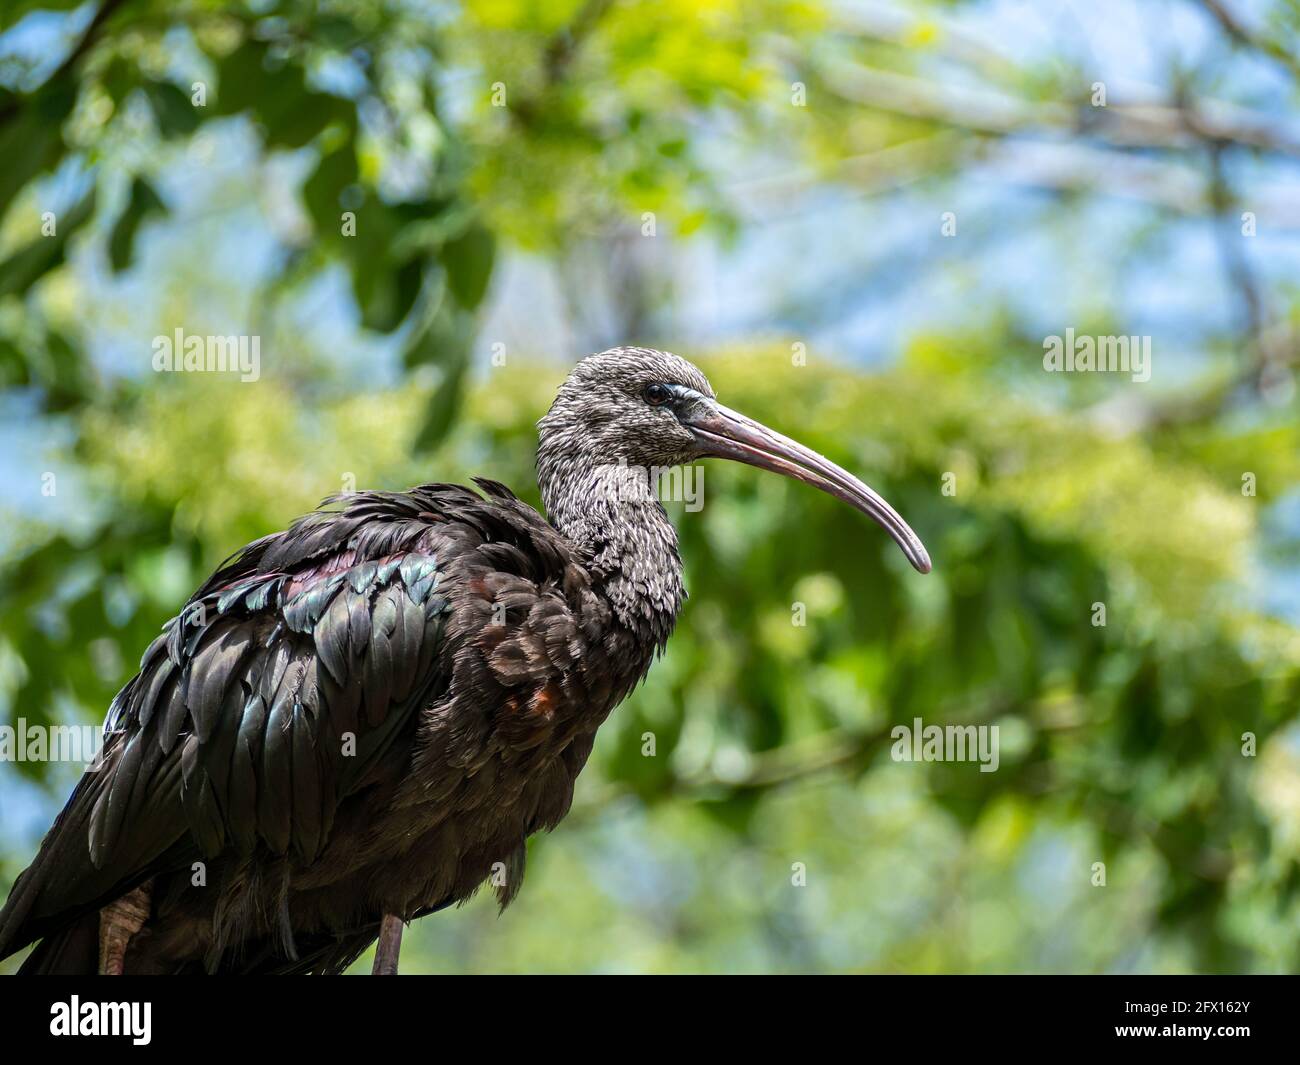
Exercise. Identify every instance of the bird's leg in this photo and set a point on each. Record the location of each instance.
(118, 922)
(390, 942)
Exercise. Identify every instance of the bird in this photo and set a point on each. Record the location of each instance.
(360, 720)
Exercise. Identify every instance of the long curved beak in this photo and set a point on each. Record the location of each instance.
(728, 434)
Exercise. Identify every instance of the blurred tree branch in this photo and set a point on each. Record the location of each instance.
(792, 763)
(557, 57)
(1246, 37)
(1117, 125)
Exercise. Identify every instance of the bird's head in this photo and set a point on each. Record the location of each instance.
(646, 409)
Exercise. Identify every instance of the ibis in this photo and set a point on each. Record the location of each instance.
(360, 720)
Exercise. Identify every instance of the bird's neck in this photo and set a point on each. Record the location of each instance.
(610, 514)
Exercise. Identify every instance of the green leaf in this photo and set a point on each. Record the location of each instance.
(54, 367)
(385, 277)
(118, 79)
(27, 265)
(323, 191)
(31, 140)
(144, 202)
(274, 91)
(176, 116)
(446, 341)
(468, 260)
(443, 406)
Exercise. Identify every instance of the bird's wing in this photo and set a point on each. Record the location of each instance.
(265, 702)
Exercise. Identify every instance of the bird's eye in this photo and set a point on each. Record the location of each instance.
(657, 395)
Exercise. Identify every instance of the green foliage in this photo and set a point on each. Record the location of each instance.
(593, 122)
(396, 239)
(143, 204)
(1121, 743)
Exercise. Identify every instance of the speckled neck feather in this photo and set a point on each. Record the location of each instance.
(609, 512)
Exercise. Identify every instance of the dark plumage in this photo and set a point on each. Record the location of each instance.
(369, 713)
